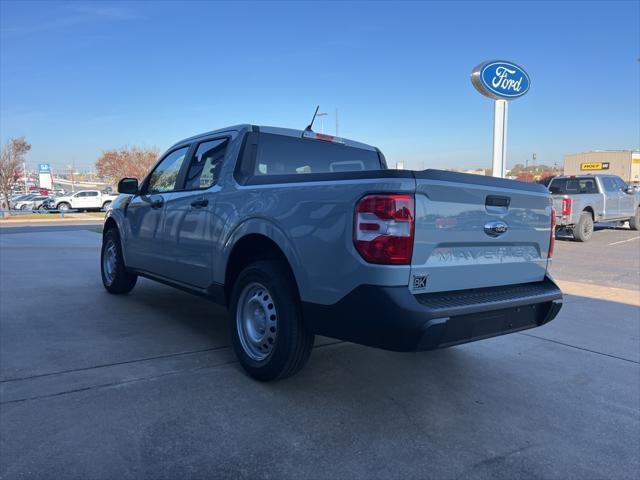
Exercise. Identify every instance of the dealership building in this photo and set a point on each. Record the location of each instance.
(624, 163)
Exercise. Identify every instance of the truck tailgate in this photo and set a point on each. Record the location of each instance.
(473, 231)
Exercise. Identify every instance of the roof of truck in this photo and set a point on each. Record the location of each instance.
(273, 130)
(586, 175)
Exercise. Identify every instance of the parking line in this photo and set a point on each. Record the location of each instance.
(625, 241)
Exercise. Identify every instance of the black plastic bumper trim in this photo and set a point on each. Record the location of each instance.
(394, 319)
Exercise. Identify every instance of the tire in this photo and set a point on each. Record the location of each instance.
(106, 206)
(64, 206)
(584, 229)
(267, 330)
(23, 207)
(634, 222)
(115, 277)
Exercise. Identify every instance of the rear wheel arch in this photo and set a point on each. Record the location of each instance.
(251, 248)
(590, 211)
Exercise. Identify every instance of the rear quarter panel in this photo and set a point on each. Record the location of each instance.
(312, 223)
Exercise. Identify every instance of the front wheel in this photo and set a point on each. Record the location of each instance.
(115, 277)
(267, 330)
(634, 222)
(63, 207)
(584, 229)
(106, 206)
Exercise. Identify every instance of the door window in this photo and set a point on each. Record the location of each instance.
(609, 184)
(165, 176)
(205, 165)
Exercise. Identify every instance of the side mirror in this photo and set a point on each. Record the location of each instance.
(128, 186)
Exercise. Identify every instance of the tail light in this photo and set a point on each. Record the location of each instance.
(566, 206)
(384, 228)
(552, 235)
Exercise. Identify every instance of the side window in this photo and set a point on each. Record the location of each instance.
(80, 194)
(165, 175)
(205, 165)
(588, 185)
(92, 194)
(609, 184)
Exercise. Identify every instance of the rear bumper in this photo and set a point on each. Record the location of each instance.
(564, 221)
(394, 319)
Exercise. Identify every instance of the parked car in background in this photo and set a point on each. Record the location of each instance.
(582, 200)
(85, 200)
(21, 198)
(35, 202)
(300, 233)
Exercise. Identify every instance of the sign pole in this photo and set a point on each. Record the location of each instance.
(500, 138)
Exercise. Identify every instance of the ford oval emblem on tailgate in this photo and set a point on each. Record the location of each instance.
(495, 228)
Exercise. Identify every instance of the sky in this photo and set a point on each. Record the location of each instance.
(78, 78)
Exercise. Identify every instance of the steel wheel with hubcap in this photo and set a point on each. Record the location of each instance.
(109, 261)
(256, 321)
(115, 276)
(268, 334)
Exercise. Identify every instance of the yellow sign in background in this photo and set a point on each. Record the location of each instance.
(594, 166)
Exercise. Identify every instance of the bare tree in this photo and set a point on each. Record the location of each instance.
(11, 158)
(126, 162)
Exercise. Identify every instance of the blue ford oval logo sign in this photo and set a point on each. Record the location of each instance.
(500, 80)
(495, 228)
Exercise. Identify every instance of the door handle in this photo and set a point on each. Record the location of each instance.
(201, 202)
(157, 202)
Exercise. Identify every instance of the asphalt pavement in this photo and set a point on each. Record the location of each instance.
(146, 385)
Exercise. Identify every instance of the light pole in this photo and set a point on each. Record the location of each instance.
(322, 115)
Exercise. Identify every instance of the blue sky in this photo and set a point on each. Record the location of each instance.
(77, 78)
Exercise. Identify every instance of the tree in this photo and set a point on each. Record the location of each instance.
(11, 159)
(126, 162)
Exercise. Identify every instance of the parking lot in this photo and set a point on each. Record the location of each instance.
(146, 385)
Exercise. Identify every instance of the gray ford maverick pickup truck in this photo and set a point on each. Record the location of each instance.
(300, 233)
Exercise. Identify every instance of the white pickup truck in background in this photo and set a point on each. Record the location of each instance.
(85, 200)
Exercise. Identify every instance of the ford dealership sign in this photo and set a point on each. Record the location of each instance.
(500, 80)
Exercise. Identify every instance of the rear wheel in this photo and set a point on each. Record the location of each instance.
(115, 277)
(267, 330)
(584, 229)
(634, 222)
(106, 206)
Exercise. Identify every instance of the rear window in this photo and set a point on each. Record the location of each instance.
(282, 155)
(573, 186)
